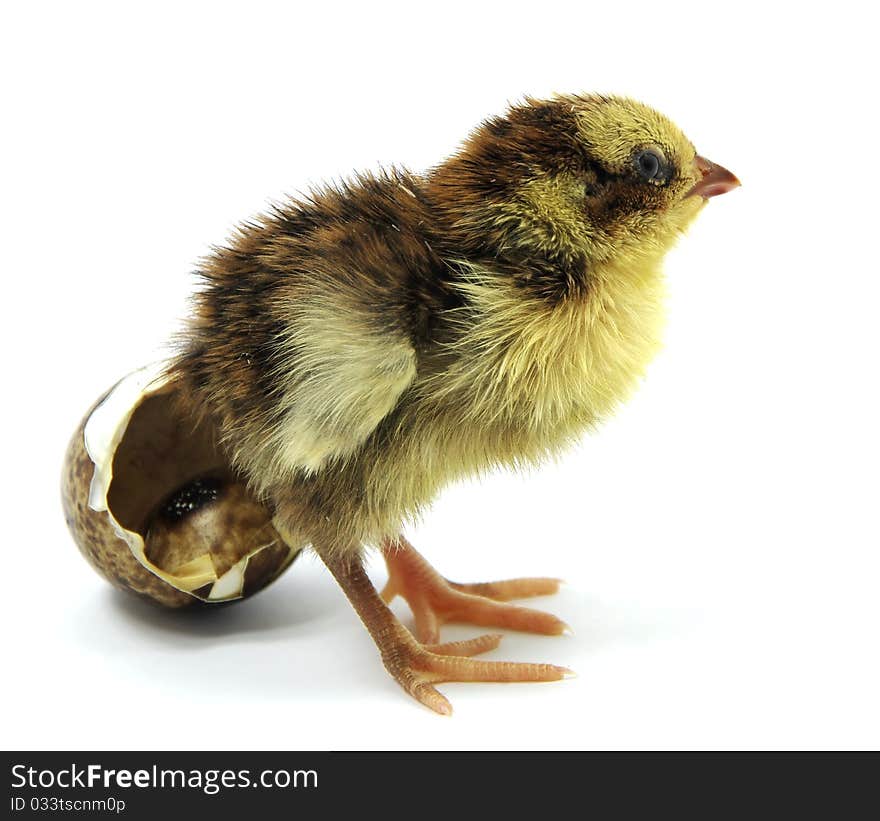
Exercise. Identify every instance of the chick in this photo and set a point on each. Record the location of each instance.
(362, 348)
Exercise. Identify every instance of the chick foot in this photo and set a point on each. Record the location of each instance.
(435, 600)
(417, 667)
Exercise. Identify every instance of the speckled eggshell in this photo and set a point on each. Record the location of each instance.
(127, 467)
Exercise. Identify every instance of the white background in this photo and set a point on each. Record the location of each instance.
(719, 536)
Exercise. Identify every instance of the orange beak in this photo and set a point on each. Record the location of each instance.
(715, 179)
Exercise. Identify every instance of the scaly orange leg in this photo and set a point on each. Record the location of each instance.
(435, 600)
(417, 667)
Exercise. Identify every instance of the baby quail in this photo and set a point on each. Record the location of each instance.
(362, 348)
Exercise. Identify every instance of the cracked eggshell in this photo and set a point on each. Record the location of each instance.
(156, 509)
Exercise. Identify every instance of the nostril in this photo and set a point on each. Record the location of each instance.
(703, 165)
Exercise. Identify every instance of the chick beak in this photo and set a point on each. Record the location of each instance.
(715, 179)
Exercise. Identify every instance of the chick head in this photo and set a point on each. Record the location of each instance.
(574, 183)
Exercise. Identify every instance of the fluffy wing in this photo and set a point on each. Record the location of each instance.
(345, 374)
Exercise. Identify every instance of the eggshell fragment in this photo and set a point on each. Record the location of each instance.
(154, 506)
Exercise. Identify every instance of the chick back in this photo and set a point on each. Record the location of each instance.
(310, 325)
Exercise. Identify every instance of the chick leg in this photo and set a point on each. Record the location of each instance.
(417, 667)
(434, 600)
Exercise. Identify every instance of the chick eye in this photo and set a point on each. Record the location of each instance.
(650, 166)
